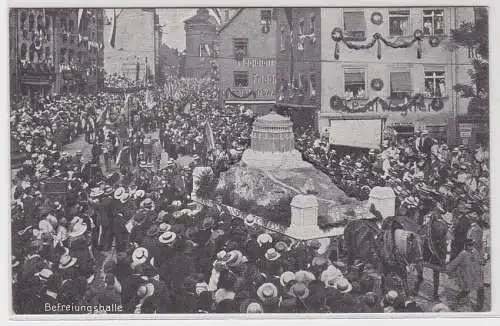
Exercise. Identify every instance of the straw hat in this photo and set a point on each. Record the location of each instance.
(139, 194)
(44, 274)
(66, 261)
(249, 220)
(164, 227)
(254, 308)
(124, 198)
(140, 255)
(78, 230)
(264, 238)
(167, 237)
(96, 192)
(267, 291)
(119, 193)
(391, 297)
(286, 278)
(343, 285)
(281, 246)
(300, 291)
(108, 190)
(272, 255)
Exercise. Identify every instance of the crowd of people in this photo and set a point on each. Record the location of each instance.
(131, 238)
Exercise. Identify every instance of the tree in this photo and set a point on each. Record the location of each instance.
(474, 36)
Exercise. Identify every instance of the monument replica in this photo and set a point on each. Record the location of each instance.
(273, 183)
(273, 144)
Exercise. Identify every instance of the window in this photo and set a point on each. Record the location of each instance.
(240, 78)
(354, 25)
(433, 22)
(23, 19)
(401, 84)
(40, 22)
(312, 24)
(312, 78)
(399, 23)
(63, 24)
(204, 51)
(283, 39)
(240, 46)
(24, 51)
(62, 56)
(301, 26)
(355, 83)
(435, 84)
(304, 83)
(47, 52)
(31, 23)
(265, 17)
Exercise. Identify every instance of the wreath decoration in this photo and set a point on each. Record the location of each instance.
(437, 104)
(377, 18)
(335, 102)
(434, 41)
(377, 84)
(337, 34)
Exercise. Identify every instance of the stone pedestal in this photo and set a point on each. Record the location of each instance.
(384, 200)
(304, 221)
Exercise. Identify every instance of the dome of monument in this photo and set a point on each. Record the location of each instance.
(272, 133)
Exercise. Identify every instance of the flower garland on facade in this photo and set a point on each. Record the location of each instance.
(417, 102)
(338, 36)
(233, 94)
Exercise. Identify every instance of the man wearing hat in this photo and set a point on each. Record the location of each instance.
(467, 269)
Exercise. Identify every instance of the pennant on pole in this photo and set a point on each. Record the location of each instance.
(113, 31)
(187, 108)
(209, 136)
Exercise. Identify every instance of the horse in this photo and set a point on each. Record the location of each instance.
(390, 248)
(434, 237)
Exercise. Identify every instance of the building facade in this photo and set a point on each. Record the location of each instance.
(50, 53)
(246, 59)
(136, 51)
(396, 62)
(298, 71)
(201, 44)
(32, 51)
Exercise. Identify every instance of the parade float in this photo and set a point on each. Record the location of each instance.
(274, 186)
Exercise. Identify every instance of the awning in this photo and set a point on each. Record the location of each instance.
(354, 21)
(354, 77)
(401, 82)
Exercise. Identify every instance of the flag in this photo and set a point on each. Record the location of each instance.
(137, 70)
(207, 48)
(80, 15)
(113, 31)
(209, 136)
(125, 109)
(217, 15)
(313, 92)
(187, 108)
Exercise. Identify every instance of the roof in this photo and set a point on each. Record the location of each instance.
(202, 16)
(230, 20)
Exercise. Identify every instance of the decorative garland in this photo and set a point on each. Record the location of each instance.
(230, 92)
(338, 36)
(417, 101)
(377, 84)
